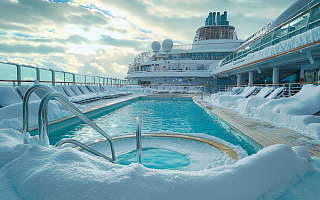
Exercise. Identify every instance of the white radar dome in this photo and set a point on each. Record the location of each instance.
(155, 46)
(167, 45)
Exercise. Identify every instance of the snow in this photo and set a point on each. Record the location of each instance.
(302, 39)
(11, 116)
(294, 113)
(35, 172)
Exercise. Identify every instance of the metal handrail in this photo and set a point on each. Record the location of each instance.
(83, 146)
(43, 118)
(138, 140)
(25, 108)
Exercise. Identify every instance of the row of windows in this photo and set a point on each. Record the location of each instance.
(200, 56)
(301, 24)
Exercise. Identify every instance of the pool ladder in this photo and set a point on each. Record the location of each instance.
(43, 121)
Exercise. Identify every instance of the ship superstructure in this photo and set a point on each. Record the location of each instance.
(187, 64)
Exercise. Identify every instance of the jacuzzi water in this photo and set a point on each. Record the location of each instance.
(157, 116)
(156, 158)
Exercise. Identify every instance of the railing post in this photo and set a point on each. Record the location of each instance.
(19, 74)
(138, 140)
(289, 90)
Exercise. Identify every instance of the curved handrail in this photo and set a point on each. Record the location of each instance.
(85, 147)
(25, 109)
(43, 120)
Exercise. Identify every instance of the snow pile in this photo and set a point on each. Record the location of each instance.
(36, 172)
(11, 116)
(305, 38)
(295, 113)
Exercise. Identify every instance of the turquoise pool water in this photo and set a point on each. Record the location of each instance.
(158, 115)
(156, 158)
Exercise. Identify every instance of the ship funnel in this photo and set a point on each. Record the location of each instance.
(225, 18)
(218, 18)
(210, 18)
(214, 18)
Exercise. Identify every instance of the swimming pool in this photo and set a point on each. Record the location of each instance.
(183, 116)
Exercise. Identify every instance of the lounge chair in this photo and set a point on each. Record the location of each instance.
(265, 91)
(276, 93)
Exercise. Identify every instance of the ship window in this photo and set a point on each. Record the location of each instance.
(281, 31)
(315, 13)
(299, 22)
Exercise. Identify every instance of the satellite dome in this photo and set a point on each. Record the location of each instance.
(155, 46)
(167, 45)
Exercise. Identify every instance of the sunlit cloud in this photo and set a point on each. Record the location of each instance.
(101, 38)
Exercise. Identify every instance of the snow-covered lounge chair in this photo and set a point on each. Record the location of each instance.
(79, 92)
(9, 96)
(85, 91)
(237, 90)
(161, 89)
(96, 90)
(248, 91)
(107, 89)
(181, 90)
(22, 89)
(276, 93)
(72, 96)
(265, 91)
(167, 89)
(193, 89)
(173, 89)
(99, 91)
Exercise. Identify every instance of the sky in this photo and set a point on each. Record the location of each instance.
(102, 37)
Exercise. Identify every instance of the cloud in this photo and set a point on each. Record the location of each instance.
(99, 67)
(101, 37)
(25, 48)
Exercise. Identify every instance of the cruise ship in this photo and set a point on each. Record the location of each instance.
(73, 136)
(187, 64)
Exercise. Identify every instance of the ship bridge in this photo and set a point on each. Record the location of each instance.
(286, 50)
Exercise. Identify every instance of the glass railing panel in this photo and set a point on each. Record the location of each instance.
(8, 72)
(276, 41)
(90, 79)
(68, 77)
(28, 74)
(266, 39)
(96, 80)
(265, 45)
(45, 75)
(256, 43)
(315, 13)
(294, 33)
(299, 22)
(280, 32)
(59, 77)
(80, 78)
(101, 80)
(314, 25)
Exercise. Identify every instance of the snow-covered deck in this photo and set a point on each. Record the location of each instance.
(261, 132)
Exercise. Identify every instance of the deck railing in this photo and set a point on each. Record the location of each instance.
(15, 75)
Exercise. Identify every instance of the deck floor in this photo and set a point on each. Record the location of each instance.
(263, 133)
